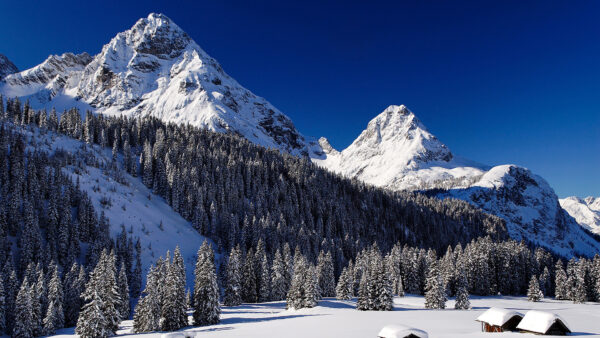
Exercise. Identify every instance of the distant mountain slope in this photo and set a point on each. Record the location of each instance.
(156, 69)
(129, 204)
(6, 66)
(586, 211)
(398, 153)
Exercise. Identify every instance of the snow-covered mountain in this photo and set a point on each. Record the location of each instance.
(156, 69)
(586, 211)
(6, 66)
(397, 152)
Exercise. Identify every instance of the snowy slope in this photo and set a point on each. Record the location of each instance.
(6, 66)
(156, 69)
(334, 318)
(586, 211)
(132, 204)
(397, 152)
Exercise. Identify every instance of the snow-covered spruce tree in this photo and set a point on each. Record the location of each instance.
(383, 288)
(311, 288)
(73, 288)
(278, 275)
(206, 292)
(92, 323)
(264, 282)
(103, 284)
(462, 289)
(363, 303)
(289, 266)
(249, 279)
(23, 326)
(326, 275)
(545, 281)
(343, 290)
(560, 282)
(534, 294)
(123, 287)
(54, 318)
(579, 293)
(233, 287)
(400, 287)
(146, 316)
(174, 306)
(136, 276)
(435, 291)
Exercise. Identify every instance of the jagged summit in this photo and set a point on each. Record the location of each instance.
(6, 66)
(155, 68)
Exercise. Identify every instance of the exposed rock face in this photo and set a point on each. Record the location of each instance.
(6, 67)
(156, 69)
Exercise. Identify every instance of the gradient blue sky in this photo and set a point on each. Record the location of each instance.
(497, 81)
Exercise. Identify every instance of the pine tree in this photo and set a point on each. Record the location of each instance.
(136, 280)
(146, 316)
(384, 296)
(73, 288)
(233, 287)
(173, 312)
(54, 318)
(560, 291)
(91, 322)
(343, 290)
(462, 290)
(264, 286)
(123, 287)
(303, 291)
(23, 326)
(435, 291)
(534, 294)
(400, 287)
(326, 276)
(579, 292)
(249, 279)
(278, 277)
(206, 292)
(363, 303)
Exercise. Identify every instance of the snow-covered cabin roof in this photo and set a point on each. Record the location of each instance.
(540, 322)
(401, 331)
(497, 316)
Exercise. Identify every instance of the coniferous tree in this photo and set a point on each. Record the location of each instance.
(2, 296)
(326, 275)
(462, 290)
(264, 286)
(123, 287)
(579, 292)
(91, 322)
(73, 288)
(400, 287)
(206, 293)
(343, 290)
(435, 291)
(23, 326)
(249, 279)
(146, 316)
(363, 303)
(136, 281)
(173, 312)
(233, 288)
(55, 318)
(534, 294)
(560, 291)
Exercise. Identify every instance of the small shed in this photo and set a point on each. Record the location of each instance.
(499, 320)
(544, 323)
(401, 331)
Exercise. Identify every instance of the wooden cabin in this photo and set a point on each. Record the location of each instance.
(401, 331)
(499, 320)
(545, 323)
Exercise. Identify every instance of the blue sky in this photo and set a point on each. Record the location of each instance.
(498, 82)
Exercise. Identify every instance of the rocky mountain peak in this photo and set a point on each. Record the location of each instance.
(6, 66)
(157, 35)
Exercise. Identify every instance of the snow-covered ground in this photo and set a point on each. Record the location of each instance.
(333, 318)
